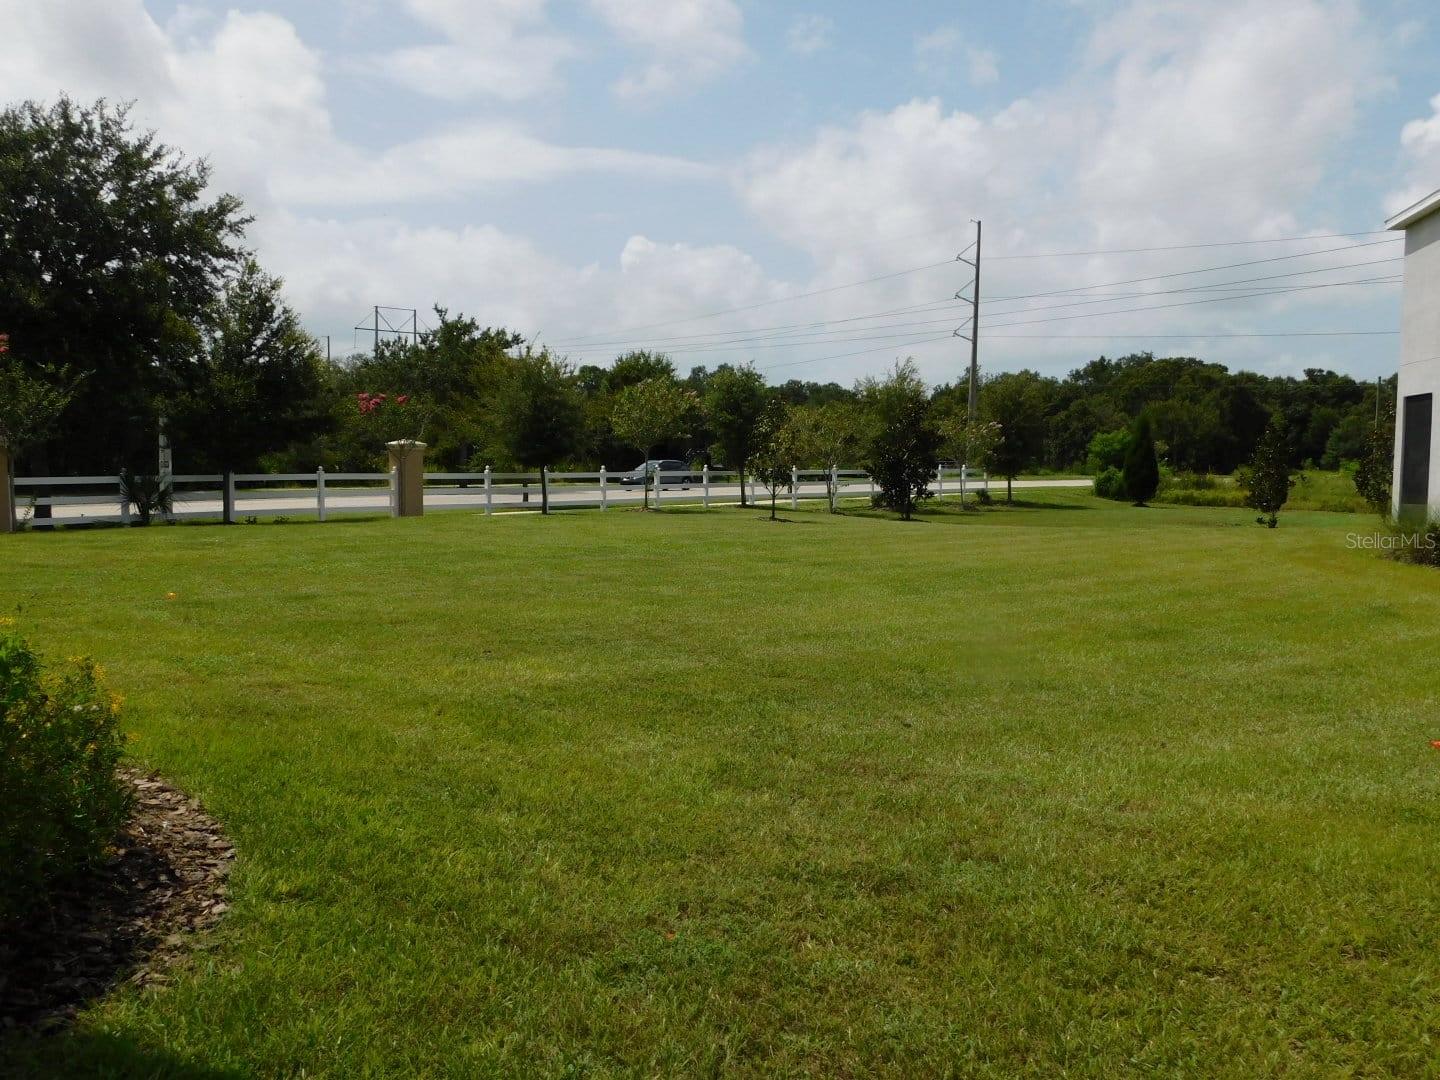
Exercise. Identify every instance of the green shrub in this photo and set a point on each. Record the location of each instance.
(1110, 484)
(59, 745)
(1107, 450)
(1419, 545)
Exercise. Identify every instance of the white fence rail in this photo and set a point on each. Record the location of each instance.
(76, 500)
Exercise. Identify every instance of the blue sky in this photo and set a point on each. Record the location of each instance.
(601, 172)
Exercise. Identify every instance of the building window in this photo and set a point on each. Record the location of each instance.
(1415, 451)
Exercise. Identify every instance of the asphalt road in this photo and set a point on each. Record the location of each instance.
(339, 499)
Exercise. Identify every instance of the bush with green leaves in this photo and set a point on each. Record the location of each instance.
(1142, 467)
(59, 746)
(1110, 484)
(1268, 481)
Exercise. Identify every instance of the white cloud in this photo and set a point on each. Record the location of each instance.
(1186, 124)
(450, 163)
(494, 48)
(945, 49)
(810, 34)
(688, 41)
(1420, 146)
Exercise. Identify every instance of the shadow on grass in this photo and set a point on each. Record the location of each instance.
(96, 1054)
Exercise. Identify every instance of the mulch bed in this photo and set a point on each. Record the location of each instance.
(128, 920)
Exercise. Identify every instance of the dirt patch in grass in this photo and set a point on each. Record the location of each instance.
(128, 920)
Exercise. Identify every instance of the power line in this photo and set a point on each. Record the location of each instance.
(902, 331)
(1191, 247)
(739, 340)
(594, 339)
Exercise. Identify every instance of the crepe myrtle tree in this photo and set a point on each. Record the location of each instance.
(827, 436)
(650, 413)
(773, 453)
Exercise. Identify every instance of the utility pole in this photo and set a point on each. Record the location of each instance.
(377, 331)
(974, 336)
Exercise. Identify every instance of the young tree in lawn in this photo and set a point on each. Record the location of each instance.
(774, 450)
(827, 436)
(1375, 471)
(541, 415)
(652, 412)
(735, 399)
(1142, 467)
(970, 442)
(1015, 401)
(1268, 481)
(255, 382)
(902, 444)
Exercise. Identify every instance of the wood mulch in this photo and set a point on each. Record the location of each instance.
(127, 921)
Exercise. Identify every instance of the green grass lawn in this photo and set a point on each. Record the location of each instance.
(1069, 788)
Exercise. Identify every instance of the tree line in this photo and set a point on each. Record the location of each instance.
(130, 301)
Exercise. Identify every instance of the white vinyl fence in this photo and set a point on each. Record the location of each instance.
(78, 500)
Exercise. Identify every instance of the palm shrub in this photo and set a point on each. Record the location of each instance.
(59, 745)
(1142, 467)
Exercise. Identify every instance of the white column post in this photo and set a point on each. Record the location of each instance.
(320, 493)
(964, 469)
(794, 488)
(657, 485)
(489, 508)
(705, 484)
(394, 491)
(834, 487)
(603, 496)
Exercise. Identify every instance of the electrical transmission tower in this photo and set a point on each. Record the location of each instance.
(383, 323)
(974, 320)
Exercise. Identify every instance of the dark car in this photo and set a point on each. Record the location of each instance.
(636, 477)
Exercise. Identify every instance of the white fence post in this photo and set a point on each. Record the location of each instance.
(320, 493)
(394, 492)
(705, 484)
(794, 488)
(604, 497)
(834, 487)
(489, 508)
(964, 469)
(657, 487)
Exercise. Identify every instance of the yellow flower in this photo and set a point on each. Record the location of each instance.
(6, 620)
(172, 596)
